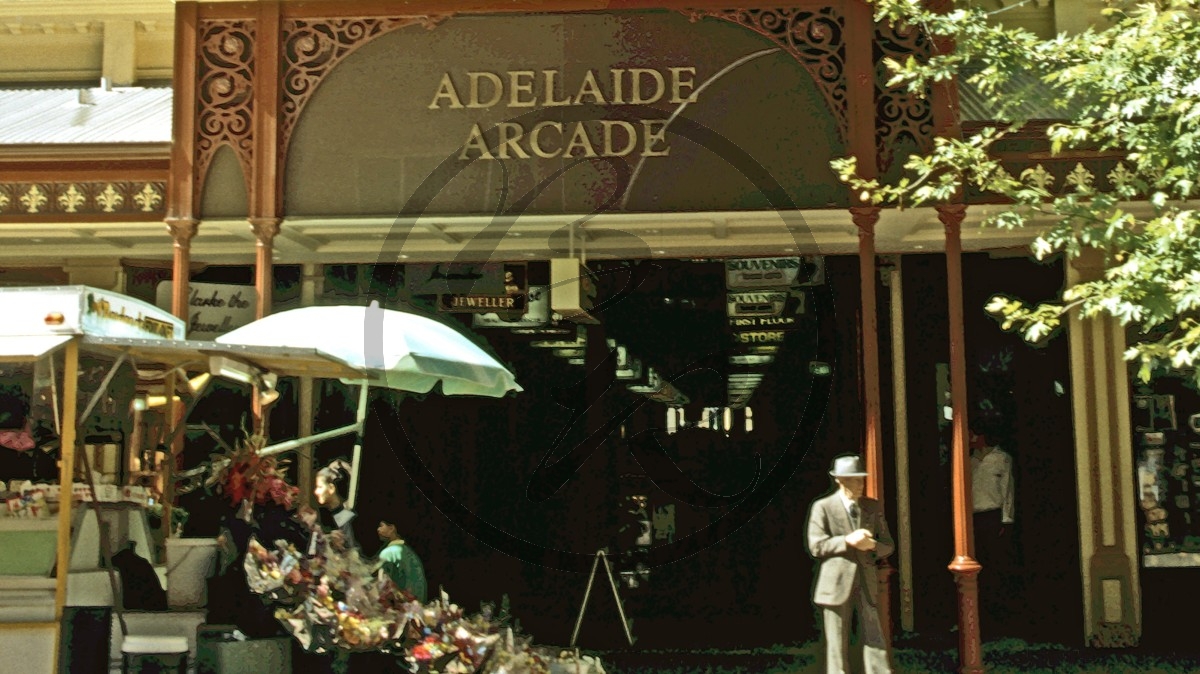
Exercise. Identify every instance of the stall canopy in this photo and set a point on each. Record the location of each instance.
(40, 320)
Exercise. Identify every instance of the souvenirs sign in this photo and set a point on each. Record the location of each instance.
(774, 272)
(752, 310)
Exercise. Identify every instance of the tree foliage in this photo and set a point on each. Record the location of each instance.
(1132, 87)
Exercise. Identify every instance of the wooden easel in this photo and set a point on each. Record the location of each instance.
(587, 594)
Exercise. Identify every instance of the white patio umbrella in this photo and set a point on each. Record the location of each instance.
(395, 349)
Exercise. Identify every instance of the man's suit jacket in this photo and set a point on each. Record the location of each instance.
(842, 564)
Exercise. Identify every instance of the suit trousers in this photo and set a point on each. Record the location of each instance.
(837, 622)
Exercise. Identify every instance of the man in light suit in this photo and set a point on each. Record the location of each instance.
(846, 534)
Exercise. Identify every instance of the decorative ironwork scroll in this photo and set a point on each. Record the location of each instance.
(814, 37)
(313, 47)
(224, 93)
(899, 113)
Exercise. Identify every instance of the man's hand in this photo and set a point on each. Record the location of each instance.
(338, 540)
(860, 539)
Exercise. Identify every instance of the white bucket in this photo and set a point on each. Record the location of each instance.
(190, 562)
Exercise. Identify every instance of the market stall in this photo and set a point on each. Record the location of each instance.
(71, 355)
(42, 338)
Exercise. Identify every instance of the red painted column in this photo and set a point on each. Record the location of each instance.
(860, 100)
(181, 213)
(964, 567)
(865, 218)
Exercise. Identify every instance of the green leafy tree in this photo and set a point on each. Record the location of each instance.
(1130, 87)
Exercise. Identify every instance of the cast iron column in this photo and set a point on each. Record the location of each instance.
(865, 219)
(265, 230)
(964, 567)
(183, 230)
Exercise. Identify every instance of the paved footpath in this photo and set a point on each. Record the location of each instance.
(1007, 656)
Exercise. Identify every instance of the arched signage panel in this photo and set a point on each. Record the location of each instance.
(514, 101)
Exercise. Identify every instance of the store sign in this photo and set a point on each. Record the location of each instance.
(748, 304)
(507, 298)
(764, 309)
(759, 337)
(579, 341)
(774, 272)
(467, 304)
(751, 359)
(213, 308)
(115, 315)
(521, 91)
(445, 278)
(537, 313)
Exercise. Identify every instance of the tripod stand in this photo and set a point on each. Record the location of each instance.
(587, 594)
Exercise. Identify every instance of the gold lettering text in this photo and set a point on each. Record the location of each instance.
(659, 86)
(652, 137)
(579, 138)
(510, 133)
(618, 85)
(679, 83)
(446, 90)
(589, 87)
(497, 89)
(551, 77)
(518, 87)
(536, 145)
(477, 142)
(630, 137)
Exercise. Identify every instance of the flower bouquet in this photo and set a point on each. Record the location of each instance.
(331, 601)
(245, 477)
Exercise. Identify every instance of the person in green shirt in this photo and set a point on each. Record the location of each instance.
(400, 562)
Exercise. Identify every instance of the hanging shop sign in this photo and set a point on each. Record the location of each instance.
(509, 299)
(213, 308)
(755, 304)
(759, 337)
(764, 309)
(455, 278)
(572, 290)
(467, 304)
(774, 272)
(537, 313)
(751, 359)
(579, 341)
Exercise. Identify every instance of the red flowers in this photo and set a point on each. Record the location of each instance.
(249, 477)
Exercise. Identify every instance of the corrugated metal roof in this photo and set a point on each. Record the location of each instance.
(1034, 99)
(143, 115)
(122, 115)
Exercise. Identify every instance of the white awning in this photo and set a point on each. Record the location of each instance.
(24, 348)
(193, 355)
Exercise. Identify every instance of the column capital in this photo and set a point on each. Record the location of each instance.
(265, 229)
(951, 215)
(865, 217)
(182, 230)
